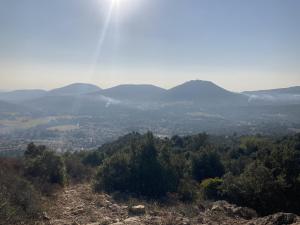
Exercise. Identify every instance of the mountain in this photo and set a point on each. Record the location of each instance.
(291, 90)
(75, 89)
(188, 97)
(9, 107)
(21, 95)
(11, 110)
(134, 92)
(77, 105)
(204, 92)
(289, 95)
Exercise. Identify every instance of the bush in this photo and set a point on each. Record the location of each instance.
(93, 159)
(255, 188)
(207, 165)
(76, 171)
(137, 170)
(210, 188)
(33, 150)
(19, 201)
(188, 190)
(46, 168)
(114, 174)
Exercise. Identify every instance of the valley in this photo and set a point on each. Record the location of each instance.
(83, 116)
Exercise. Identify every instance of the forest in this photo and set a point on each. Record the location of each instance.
(259, 172)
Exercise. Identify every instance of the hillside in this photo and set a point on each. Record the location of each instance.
(204, 92)
(21, 95)
(76, 105)
(78, 204)
(291, 90)
(11, 109)
(132, 92)
(75, 89)
(141, 179)
(275, 96)
(104, 114)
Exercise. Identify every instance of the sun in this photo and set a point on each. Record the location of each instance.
(120, 8)
(118, 2)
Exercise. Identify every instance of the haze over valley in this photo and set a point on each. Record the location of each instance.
(84, 116)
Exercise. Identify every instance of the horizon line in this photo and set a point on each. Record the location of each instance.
(136, 84)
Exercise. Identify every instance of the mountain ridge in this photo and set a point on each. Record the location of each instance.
(133, 85)
(75, 89)
(288, 90)
(200, 91)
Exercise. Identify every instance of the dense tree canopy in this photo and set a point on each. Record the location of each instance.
(255, 171)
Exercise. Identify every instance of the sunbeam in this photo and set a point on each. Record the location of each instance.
(102, 36)
(97, 53)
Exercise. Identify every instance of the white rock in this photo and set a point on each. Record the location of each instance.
(138, 210)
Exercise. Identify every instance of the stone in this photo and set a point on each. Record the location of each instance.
(244, 212)
(132, 221)
(78, 211)
(281, 219)
(114, 207)
(233, 210)
(137, 210)
(45, 216)
(276, 219)
(185, 221)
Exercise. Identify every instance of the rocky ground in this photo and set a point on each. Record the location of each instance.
(78, 205)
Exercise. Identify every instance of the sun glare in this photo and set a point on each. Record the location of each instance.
(119, 2)
(124, 5)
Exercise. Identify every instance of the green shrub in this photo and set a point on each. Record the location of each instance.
(46, 168)
(19, 201)
(256, 188)
(33, 150)
(76, 171)
(93, 159)
(137, 170)
(210, 188)
(207, 165)
(188, 190)
(114, 174)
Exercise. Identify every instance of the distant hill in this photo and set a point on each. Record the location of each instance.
(134, 92)
(10, 110)
(9, 107)
(189, 96)
(78, 105)
(204, 92)
(65, 104)
(21, 95)
(289, 95)
(291, 90)
(75, 89)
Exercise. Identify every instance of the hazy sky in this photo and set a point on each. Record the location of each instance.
(238, 44)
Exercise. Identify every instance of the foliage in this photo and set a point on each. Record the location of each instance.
(33, 151)
(76, 170)
(269, 183)
(19, 201)
(44, 167)
(188, 190)
(93, 159)
(137, 170)
(114, 174)
(207, 164)
(211, 188)
(254, 171)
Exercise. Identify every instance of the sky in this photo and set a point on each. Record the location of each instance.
(238, 44)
